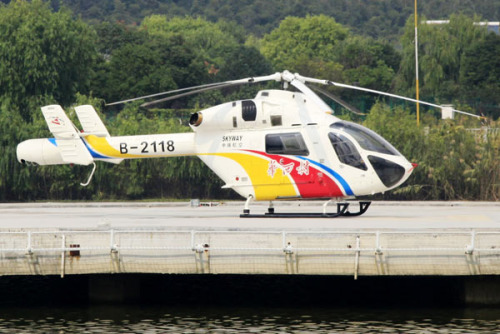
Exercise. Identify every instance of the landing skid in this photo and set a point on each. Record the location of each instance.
(342, 211)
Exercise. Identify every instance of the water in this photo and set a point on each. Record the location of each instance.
(200, 319)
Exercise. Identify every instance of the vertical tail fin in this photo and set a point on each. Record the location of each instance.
(68, 140)
(90, 121)
(59, 123)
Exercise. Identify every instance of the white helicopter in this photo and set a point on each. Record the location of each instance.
(280, 145)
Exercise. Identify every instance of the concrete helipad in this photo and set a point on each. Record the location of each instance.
(225, 216)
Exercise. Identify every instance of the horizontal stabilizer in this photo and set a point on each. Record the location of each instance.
(73, 151)
(90, 121)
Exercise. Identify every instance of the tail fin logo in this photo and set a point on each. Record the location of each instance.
(57, 121)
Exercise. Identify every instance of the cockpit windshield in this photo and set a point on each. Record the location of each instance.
(366, 138)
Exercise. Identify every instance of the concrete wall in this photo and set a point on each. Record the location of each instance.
(355, 254)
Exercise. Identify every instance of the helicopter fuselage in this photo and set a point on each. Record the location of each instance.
(279, 145)
(282, 145)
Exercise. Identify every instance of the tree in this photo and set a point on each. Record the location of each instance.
(44, 54)
(135, 70)
(146, 65)
(318, 46)
(299, 39)
(218, 48)
(244, 61)
(210, 39)
(112, 36)
(441, 48)
(367, 63)
(452, 162)
(480, 73)
(377, 19)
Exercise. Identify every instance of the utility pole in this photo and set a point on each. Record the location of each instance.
(416, 65)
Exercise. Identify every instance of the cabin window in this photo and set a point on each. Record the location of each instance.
(346, 151)
(248, 110)
(366, 138)
(286, 143)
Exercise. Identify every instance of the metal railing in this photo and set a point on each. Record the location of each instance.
(283, 243)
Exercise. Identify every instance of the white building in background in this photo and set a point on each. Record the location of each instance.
(491, 26)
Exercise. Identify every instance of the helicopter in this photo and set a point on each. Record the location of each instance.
(279, 145)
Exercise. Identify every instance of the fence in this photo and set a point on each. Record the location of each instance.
(256, 252)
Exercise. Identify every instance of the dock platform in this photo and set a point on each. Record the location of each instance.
(391, 239)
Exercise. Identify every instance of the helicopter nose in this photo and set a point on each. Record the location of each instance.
(389, 172)
(392, 173)
(410, 168)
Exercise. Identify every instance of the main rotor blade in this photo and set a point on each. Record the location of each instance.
(276, 76)
(162, 93)
(169, 98)
(295, 79)
(338, 100)
(332, 83)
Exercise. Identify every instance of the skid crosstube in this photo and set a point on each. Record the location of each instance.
(342, 211)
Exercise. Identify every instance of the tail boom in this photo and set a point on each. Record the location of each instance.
(70, 146)
(51, 151)
(146, 146)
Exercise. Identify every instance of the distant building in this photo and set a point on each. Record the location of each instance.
(491, 26)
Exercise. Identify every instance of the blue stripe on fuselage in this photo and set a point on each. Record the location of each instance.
(336, 175)
(93, 153)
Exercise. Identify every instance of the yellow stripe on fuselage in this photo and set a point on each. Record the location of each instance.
(265, 186)
(101, 146)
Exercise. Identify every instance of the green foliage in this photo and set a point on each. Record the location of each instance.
(441, 48)
(50, 57)
(43, 54)
(298, 39)
(243, 61)
(452, 163)
(112, 36)
(378, 19)
(366, 62)
(148, 69)
(458, 64)
(149, 64)
(218, 54)
(208, 38)
(318, 46)
(479, 73)
(21, 183)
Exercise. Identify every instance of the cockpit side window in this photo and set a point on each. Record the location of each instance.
(286, 143)
(346, 151)
(366, 138)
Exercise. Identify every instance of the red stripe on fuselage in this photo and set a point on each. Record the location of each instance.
(310, 181)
